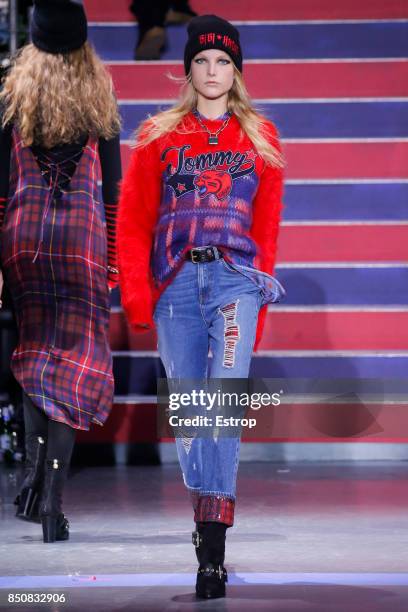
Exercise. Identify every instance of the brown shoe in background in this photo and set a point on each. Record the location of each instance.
(179, 17)
(152, 44)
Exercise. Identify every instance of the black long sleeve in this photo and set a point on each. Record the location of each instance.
(109, 155)
(111, 167)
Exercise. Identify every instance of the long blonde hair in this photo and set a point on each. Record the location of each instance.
(57, 98)
(239, 103)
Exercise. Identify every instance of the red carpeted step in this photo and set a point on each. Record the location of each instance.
(329, 422)
(126, 423)
(269, 80)
(118, 10)
(342, 242)
(326, 160)
(288, 422)
(335, 330)
(300, 329)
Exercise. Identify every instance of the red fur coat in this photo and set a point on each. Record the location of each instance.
(138, 211)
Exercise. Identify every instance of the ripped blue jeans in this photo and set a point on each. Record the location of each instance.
(211, 306)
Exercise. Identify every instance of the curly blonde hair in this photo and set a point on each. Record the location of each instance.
(252, 122)
(57, 98)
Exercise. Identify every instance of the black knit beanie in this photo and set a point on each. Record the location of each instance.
(212, 32)
(58, 26)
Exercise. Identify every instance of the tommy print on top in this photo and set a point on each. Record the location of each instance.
(206, 200)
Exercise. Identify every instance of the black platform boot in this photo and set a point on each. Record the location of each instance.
(54, 524)
(28, 499)
(209, 541)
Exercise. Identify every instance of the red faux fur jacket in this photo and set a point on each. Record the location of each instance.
(141, 193)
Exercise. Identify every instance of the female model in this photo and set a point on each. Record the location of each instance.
(56, 253)
(197, 228)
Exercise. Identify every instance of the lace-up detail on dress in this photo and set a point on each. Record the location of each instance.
(57, 167)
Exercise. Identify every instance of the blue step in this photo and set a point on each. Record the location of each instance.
(351, 286)
(310, 120)
(345, 202)
(330, 367)
(281, 41)
(137, 375)
(339, 286)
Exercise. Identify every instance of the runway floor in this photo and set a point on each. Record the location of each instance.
(307, 537)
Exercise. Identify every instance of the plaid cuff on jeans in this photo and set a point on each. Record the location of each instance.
(213, 508)
(194, 497)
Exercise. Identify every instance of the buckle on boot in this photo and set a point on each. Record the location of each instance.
(209, 569)
(196, 538)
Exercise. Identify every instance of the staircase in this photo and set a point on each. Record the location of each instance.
(334, 78)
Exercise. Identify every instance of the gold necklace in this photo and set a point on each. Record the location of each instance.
(212, 136)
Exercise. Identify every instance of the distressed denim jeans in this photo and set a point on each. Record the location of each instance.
(211, 306)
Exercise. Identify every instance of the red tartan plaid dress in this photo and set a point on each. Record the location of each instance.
(54, 258)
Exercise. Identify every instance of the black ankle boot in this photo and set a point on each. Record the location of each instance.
(28, 499)
(54, 524)
(209, 540)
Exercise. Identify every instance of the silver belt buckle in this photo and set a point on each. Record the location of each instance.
(203, 248)
(194, 252)
(193, 255)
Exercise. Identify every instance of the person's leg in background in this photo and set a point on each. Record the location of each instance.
(152, 35)
(153, 17)
(180, 12)
(36, 433)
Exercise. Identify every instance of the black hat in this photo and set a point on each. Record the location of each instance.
(212, 32)
(58, 26)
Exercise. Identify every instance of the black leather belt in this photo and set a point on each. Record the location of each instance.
(203, 254)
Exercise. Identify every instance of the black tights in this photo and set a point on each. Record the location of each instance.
(59, 437)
